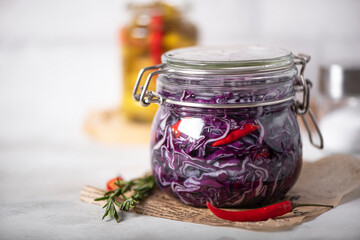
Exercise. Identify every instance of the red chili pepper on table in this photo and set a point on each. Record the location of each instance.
(259, 214)
(236, 134)
(111, 186)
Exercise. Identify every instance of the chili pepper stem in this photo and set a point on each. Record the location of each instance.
(295, 205)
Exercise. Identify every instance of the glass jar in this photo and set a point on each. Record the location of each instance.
(226, 130)
(153, 29)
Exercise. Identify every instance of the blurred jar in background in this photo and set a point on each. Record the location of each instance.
(153, 29)
(339, 108)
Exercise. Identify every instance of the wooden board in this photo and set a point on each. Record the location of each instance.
(112, 127)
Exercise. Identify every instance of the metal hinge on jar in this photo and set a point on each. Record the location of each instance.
(303, 87)
(147, 97)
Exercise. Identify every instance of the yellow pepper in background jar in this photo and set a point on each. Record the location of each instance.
(154, 28)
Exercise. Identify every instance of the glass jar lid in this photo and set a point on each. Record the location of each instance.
(243, 58)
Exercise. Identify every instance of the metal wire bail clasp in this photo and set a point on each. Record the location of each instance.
(303, 86)
(147, 97)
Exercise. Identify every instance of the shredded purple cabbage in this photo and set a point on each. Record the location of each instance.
(253, 170)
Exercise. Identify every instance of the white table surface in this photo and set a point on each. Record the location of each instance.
(40, 183)
(46, 91)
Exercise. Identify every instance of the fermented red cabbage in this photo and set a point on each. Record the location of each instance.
(257, 168)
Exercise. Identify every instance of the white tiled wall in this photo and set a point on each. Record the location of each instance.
(328, 30)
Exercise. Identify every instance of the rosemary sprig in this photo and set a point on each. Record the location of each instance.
(141, 188)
